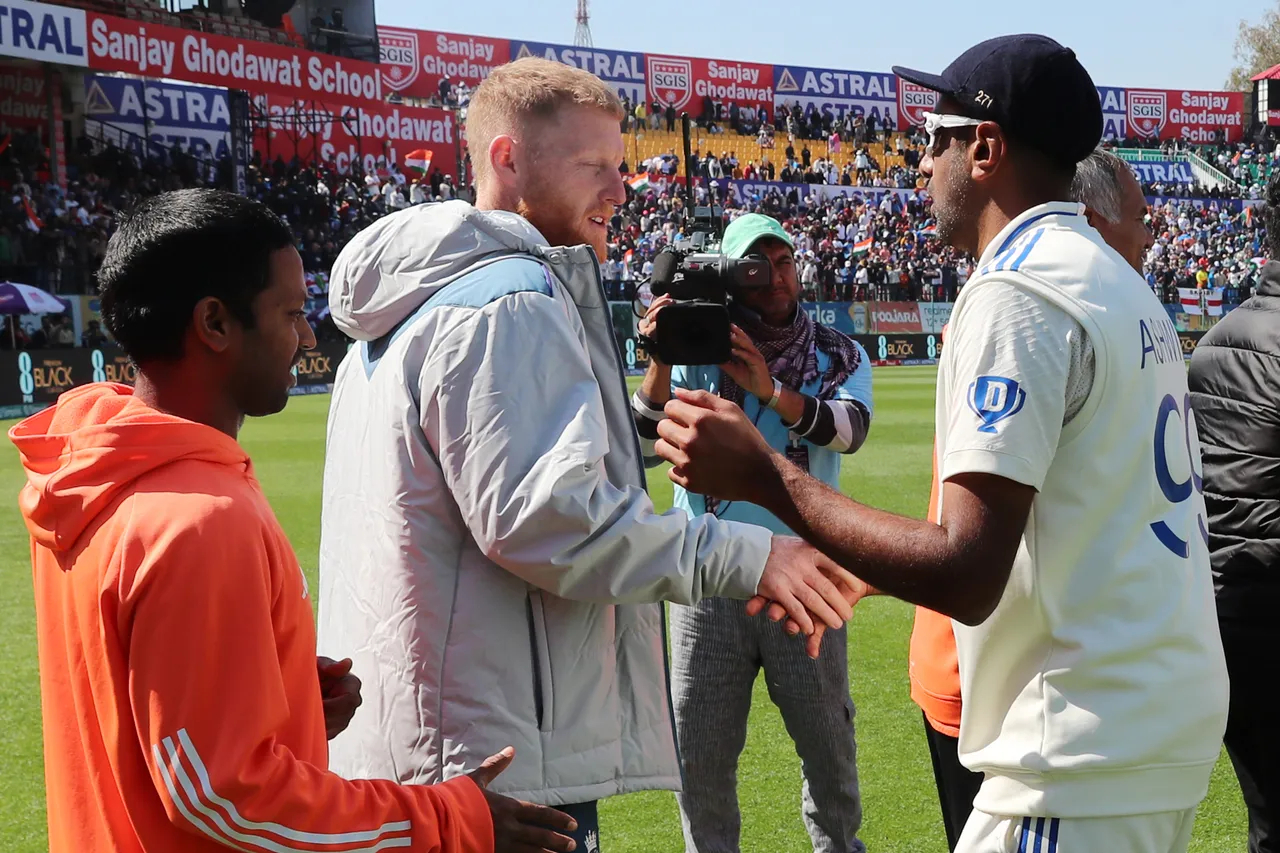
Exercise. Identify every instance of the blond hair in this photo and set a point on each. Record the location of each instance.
(524, 90)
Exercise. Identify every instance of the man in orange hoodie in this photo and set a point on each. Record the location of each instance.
(181, 705)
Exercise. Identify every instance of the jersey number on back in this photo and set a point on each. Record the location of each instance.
(1176, 491)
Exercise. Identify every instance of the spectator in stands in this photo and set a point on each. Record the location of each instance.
(93, 335)
(1235, 391)
(808, 389)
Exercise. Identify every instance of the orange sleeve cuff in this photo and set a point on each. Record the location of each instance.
(464, 822)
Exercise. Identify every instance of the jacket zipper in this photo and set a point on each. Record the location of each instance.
(644, 484)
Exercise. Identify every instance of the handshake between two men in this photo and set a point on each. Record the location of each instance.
(715, 450)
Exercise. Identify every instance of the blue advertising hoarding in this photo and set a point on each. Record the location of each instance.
(836, 93)
(1163, 171)
(623, 70)
(1113, 112)
(195, 119)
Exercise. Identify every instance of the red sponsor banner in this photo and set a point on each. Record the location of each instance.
(368, 135)
(24, 98)
(683, 82)
(1194, 116)
(895, 317)
(154, 50)
(914, 101)
(413, 62)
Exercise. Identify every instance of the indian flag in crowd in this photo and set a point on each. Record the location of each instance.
(33, 221)
(929, 231)
(626, 258)
(639, 183)
(420, 160)
(862, 246)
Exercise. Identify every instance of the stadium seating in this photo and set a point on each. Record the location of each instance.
(645, 144)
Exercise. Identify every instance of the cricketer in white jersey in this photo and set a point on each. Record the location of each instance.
(1098, 687)
(1070, 543)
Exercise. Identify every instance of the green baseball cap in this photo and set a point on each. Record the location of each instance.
(744, 231)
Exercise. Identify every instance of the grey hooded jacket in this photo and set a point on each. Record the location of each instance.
(488, 553)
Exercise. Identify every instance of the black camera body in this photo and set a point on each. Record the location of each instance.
(694, 329)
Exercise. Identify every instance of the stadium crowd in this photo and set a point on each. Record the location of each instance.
(858, 245)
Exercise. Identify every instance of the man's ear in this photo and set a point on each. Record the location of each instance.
(213, 325)
(989, 150)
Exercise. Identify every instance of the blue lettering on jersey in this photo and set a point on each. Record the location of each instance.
(994, 399)
(1160, 339)
(1176, 492)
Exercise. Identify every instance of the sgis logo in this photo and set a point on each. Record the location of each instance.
(1147, 112)
(914, 101)
(398, 51)
(671, 80)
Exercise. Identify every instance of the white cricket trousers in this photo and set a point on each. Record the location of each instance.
(1164, 832)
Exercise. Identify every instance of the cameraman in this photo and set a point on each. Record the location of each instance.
(808, 389)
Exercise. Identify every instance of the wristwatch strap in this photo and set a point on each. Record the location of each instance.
(777, 395)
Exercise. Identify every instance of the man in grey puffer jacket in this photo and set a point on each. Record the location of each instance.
(489, 556)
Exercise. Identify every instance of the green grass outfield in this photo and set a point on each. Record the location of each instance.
(892, 471)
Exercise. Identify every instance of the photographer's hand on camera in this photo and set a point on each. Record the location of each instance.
(749, 369)
(656, 385)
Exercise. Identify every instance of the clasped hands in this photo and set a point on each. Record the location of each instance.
(715, 450)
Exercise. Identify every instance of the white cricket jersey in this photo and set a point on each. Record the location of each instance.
(1098, 687)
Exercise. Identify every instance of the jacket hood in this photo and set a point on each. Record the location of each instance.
(94, 444)
(390, 268)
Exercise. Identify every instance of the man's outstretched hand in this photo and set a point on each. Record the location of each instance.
(520, 827)
(713, 448)
(852, 592)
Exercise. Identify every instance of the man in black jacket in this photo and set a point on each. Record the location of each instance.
(1235, 394)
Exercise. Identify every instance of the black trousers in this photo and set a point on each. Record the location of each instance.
(957, 785)
(1252, 741)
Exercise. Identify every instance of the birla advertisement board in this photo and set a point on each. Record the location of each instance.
(413, 62)
(621, 69)
(836, 94)
(684, 82)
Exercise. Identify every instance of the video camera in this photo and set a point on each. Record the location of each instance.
(694, 329)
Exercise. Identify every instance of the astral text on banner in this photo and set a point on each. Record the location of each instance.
(42, 32)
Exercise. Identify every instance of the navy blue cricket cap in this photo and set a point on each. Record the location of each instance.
(1033, 87)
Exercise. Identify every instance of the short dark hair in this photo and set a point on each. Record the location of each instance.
(174, 249)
